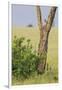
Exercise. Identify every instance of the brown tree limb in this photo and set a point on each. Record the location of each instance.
(50, 19)
(39, 17)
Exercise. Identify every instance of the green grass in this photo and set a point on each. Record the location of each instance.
(50, 76)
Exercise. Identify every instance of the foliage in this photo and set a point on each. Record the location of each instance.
(24, 58)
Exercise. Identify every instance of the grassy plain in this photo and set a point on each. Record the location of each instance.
(50, 76)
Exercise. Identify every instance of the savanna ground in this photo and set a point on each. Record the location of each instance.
(50, 76)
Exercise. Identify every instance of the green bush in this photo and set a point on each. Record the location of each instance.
(24, 58)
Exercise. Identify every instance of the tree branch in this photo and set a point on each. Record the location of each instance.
(39, 17)
(50, 19)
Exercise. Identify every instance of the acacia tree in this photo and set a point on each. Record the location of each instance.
(44, 34)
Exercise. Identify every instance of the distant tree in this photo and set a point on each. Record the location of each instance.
(30, 25)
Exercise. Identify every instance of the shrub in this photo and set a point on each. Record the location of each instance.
(24, 59)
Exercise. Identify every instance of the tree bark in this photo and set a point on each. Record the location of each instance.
(44, 33)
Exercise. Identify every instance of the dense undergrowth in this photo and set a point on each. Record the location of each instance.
(24, 59)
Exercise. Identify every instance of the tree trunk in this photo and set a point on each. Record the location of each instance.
(44, 33)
